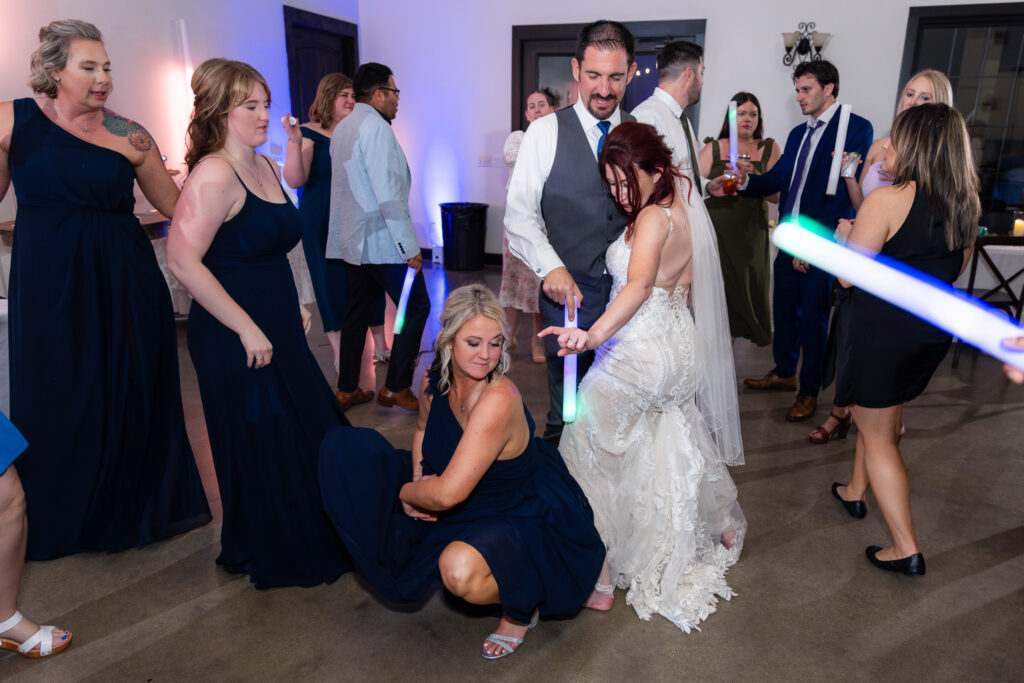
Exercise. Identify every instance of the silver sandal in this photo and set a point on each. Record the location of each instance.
(509, 644)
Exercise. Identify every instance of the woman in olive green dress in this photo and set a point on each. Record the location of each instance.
(742, 223)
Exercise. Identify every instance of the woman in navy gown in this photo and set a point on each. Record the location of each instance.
(479, 503)
(266, 403)
(16, 632)
(308, 165)
(926, 220)
(94, 353)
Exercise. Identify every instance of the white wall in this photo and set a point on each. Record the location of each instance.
(142, 39)
(452, 61)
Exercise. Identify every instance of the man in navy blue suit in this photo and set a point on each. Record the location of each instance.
(802, 293)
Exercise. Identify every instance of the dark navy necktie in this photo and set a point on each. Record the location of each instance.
(801, 161)
(605, 126)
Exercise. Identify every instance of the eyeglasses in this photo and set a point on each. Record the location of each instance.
(394, 90)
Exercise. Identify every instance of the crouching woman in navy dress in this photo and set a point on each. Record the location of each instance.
(479, 503)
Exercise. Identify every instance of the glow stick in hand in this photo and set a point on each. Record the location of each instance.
(569, 369)
(934, 301)
(403, 301)
(837, 155)
(733, 137)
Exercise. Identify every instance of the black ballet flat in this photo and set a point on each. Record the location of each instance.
(911, 566)
(856, 508)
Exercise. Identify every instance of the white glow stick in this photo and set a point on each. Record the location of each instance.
(403, 301)
(569, 370)
(733, 136)
(837, 156)
(966, 318)
(292, 120)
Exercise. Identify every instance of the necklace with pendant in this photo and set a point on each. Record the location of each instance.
(254, 175)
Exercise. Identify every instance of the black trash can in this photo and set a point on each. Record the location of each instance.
(464, 229)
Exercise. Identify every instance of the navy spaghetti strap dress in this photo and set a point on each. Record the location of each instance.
(266, 424)
(527, 516)
(93, 352)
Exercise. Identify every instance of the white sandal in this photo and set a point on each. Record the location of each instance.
(43, 638)
(509, 644)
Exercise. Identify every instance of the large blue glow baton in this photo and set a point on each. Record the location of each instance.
(966, 318)
(569, 369)
(403, 301)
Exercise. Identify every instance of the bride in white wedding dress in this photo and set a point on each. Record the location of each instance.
(657, 418)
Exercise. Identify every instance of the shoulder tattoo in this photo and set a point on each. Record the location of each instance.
(137, 136)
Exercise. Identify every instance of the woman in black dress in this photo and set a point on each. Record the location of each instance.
(926, 220)
(94, 352)
(308, 165)
(266, 403)
(479, 503)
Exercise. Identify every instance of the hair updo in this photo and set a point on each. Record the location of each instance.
(52, 53)
(219, 86)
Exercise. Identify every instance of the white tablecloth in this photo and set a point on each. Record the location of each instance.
(1007, 259)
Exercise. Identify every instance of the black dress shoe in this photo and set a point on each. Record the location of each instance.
(856, 508)
(911, 566)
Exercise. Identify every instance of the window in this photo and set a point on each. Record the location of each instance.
(980, 48)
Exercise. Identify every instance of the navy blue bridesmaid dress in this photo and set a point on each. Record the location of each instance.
(93, 353)
(330, 284)
(266, 424)
(527, 516)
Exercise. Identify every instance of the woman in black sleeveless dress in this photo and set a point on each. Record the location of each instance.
(266, 403)
(93, 349)
(926, 221)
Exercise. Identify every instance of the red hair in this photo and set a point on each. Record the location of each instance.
(634, 146)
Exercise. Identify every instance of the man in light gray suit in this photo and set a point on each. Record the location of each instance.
(371, 231)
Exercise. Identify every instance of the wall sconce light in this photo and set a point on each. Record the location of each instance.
(804, 44)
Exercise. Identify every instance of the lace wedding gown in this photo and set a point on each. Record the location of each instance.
(663, 500)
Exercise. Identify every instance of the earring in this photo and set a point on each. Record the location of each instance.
(57, 78)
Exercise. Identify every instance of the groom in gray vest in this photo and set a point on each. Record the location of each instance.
(559, 219)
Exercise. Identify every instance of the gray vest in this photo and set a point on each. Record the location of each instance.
(581, 218)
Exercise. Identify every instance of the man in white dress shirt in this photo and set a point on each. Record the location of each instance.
(680, 79)
(559, 218)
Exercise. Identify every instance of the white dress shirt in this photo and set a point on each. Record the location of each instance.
(815, 134)
(524, 223)
(662, 111)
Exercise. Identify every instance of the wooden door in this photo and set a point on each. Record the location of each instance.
(316, 45)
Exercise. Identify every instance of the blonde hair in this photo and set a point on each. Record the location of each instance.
(933, 149)
(322, 110)
(461, 306)
(942, 89)
(52, 53)
(219, 86)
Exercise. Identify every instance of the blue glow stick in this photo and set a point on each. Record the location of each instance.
(403, 301)
(966, 318)
(569, 370)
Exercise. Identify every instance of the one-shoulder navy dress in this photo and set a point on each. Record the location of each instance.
(527, 516)
(94, 354)
(266, 424)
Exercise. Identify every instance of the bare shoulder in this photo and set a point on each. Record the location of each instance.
(502, 394)
(652, 217)
(875, 151)
(273, 165)
(6, 123)
(213, 168)
(133, 131)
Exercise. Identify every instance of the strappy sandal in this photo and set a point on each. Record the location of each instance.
(43, 638)
(509, 644)
(382, 357)
(821, 435)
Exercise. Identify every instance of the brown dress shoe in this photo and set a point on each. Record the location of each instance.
(403, 399)
(772, 382)
(352, 398)
(802, 409)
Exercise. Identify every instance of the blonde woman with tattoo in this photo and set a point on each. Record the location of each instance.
(94, 357)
